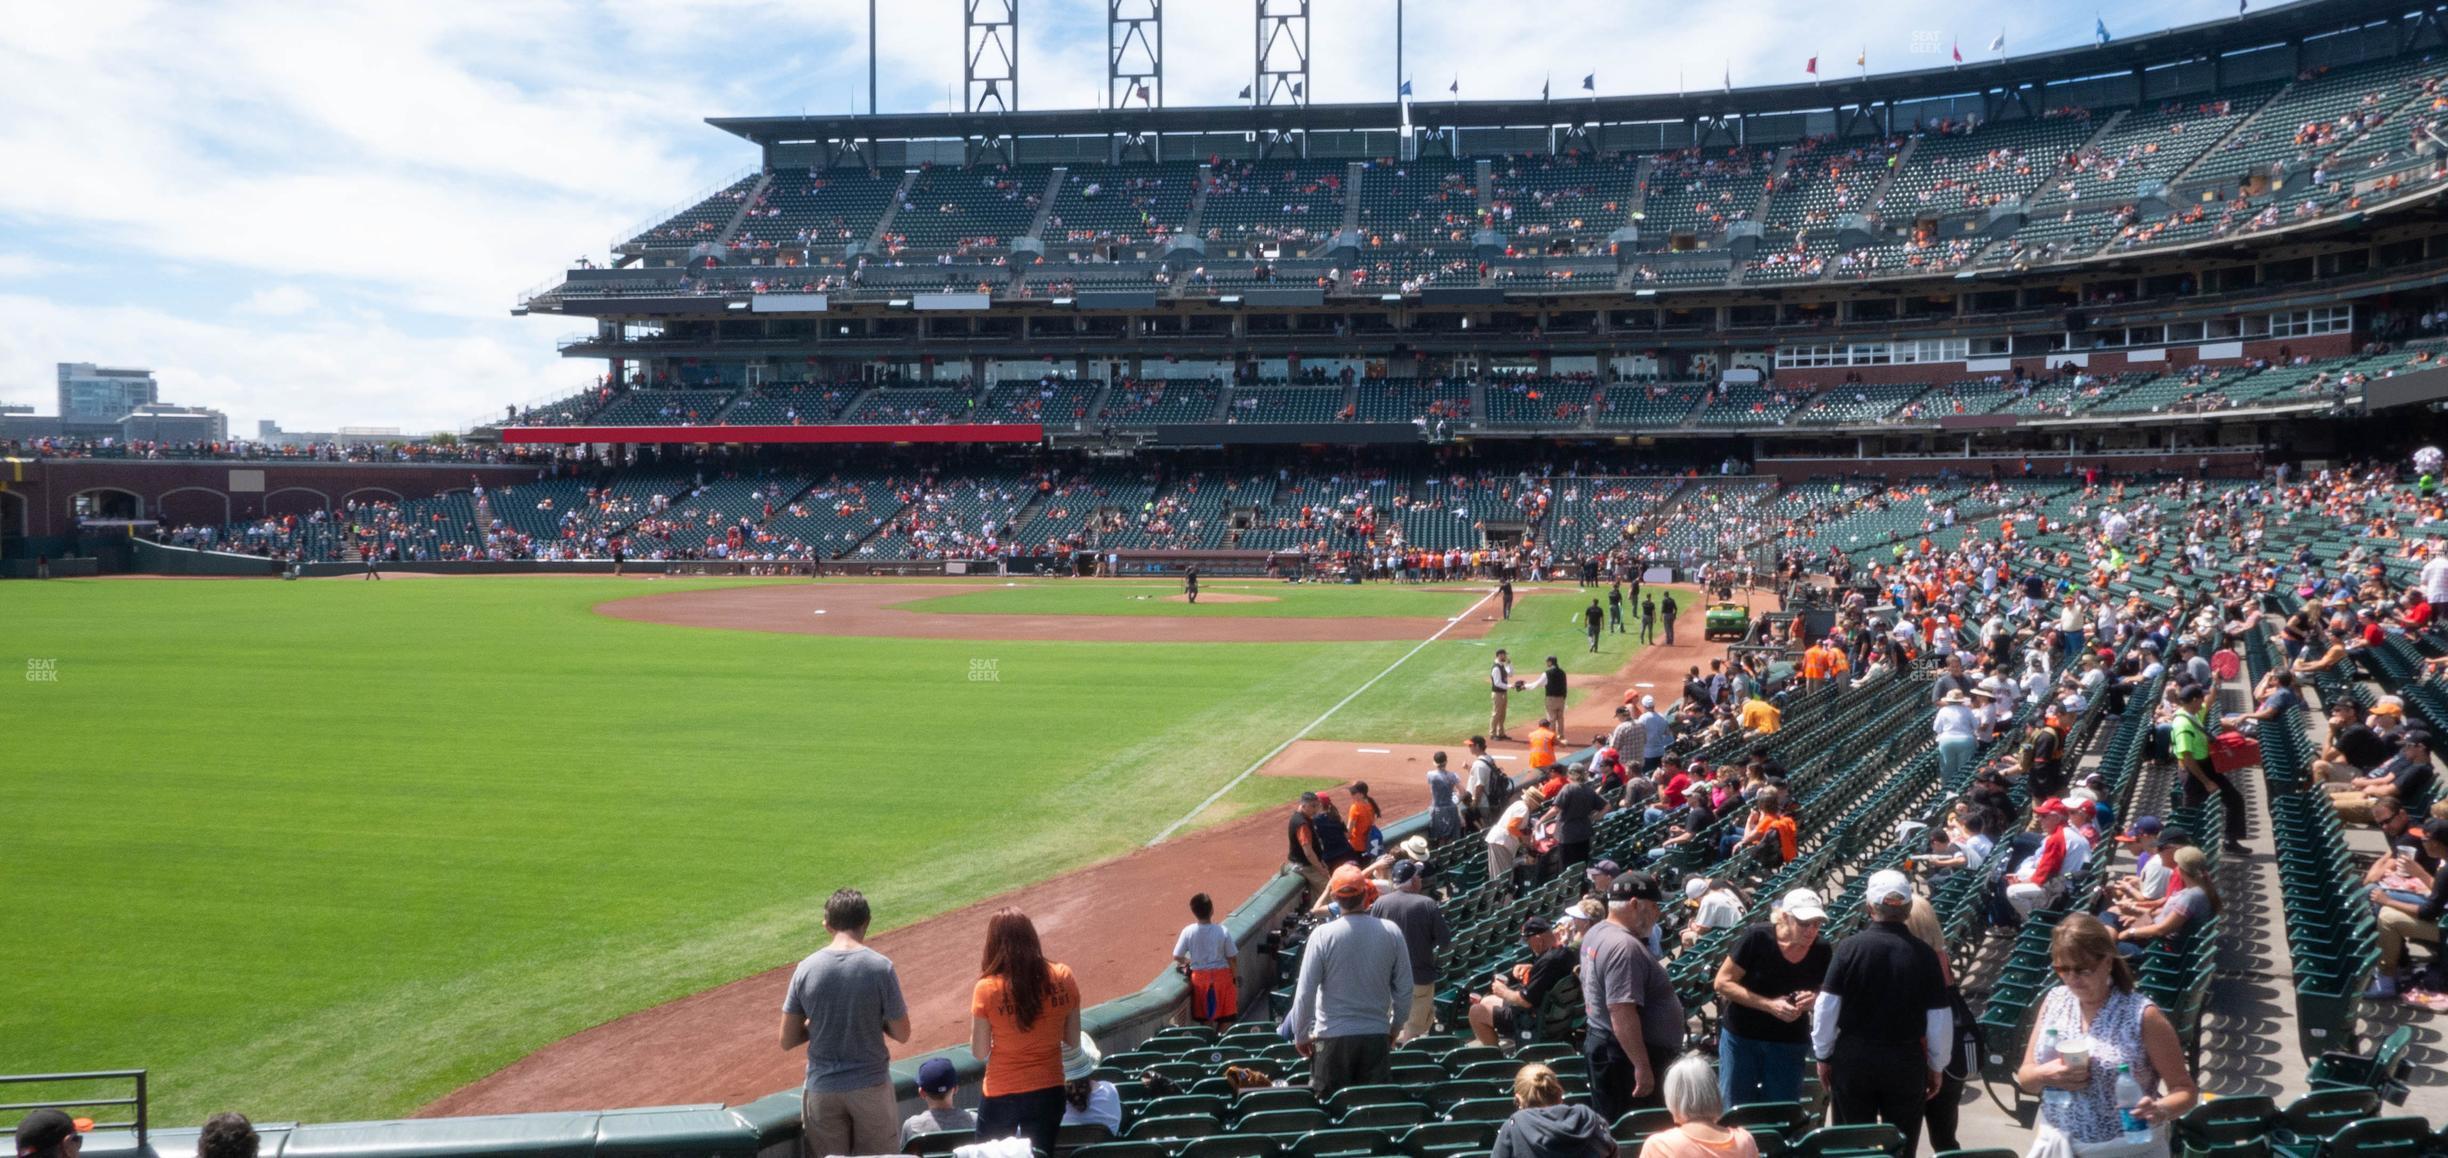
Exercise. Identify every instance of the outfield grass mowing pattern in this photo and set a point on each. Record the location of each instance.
(1280, 600)
(329, 850)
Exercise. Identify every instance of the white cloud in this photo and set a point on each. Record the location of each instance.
(27, 266)
(279, 301)
(306, 372)
(425, 162)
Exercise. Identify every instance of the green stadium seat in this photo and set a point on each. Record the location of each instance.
(1234, 1145)
(2230, 1127)
(1446, 1139)
(1292, 1121)
(939, 1142)
(1173, 1126)
(1343, 1100)
(1079, 1135)
(1774, 1115)
(2403, 1137)
(1635, 1125)
(1833, 1141)
(1208, 1104)
(1126, 1149)
(1481, 1110)
(1385, 1116)
(1339, 1143)
(1275, 1098)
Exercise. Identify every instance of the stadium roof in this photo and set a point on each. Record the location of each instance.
(2277, 25)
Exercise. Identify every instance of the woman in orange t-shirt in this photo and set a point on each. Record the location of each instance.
(1023, 1015)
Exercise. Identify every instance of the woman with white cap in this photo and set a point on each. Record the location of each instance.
(1958, 732)
(1088, 1100)
(1765, 989)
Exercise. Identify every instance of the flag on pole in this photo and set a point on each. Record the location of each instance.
(1959, 50)
(1861, 60)
(1145, 97)
(1589, 83)
(1812, 67)
(1296, 88)
(1999, 44)
(1406, 89)
(1456, 87)
(2099, 28)
(1245, 92)
(1544, 84)
(1729, 76)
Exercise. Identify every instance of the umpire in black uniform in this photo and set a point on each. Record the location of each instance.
(1883, 1028)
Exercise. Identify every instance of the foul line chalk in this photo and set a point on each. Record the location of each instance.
(1252, 770)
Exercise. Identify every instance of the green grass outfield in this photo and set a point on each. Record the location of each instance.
(1136, 597)
(330, 850)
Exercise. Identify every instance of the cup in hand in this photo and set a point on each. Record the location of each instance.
(2077, 1054)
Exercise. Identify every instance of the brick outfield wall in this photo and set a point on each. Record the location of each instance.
(199, 491)
(2101, 362)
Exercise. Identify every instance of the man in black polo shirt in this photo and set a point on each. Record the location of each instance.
(1636, 1021)
(1882, 1028)
(1507, 1010)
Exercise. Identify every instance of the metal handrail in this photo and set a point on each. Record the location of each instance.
(142, 1124)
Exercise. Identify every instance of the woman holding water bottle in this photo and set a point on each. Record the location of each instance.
(2106, 1062)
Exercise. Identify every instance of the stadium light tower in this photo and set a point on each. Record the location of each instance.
(1283, 52)
(1134, 53)
(990, 54)
(1134, 70)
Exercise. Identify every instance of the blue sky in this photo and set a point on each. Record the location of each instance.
(321, 213)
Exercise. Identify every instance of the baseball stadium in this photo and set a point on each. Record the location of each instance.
(1301, 630)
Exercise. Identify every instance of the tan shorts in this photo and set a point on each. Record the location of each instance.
(852, 1122)
(1423, 1012)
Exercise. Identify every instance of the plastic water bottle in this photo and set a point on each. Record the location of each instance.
(2129, 1095)
(2054, 1097)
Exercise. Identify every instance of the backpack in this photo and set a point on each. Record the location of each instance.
(1499, 785)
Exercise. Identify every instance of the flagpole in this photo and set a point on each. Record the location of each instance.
(1398, 47)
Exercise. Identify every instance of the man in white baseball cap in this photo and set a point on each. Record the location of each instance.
(1882, 1028)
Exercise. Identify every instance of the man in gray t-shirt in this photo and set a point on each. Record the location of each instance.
(1424, 931)
(844, 1000)
(1622, 984)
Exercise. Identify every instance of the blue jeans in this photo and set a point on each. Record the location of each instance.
(1750, 1070)
(1954, 756)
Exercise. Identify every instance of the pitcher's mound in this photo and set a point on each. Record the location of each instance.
(1223, 597)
